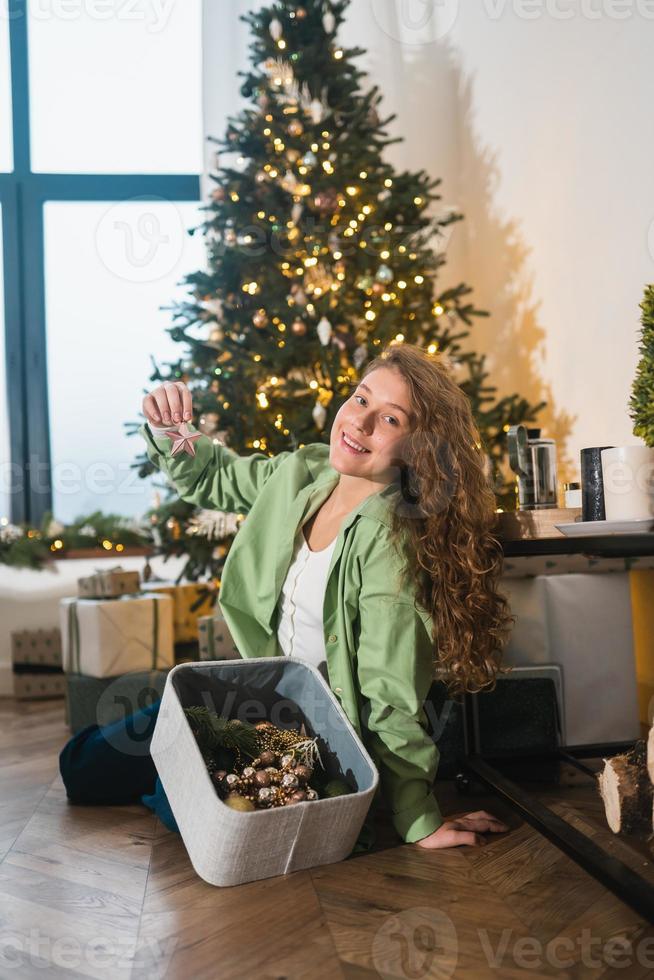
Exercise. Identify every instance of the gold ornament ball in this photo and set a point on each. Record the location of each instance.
(378, 288)
(237, 802)
(299, 327)
(260, 319)
(300, 13)
(173, 526)
(295, 128)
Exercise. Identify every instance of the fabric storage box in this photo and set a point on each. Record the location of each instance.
(103, 700)
(227, 847)
(191, 600)
(214, 638)
(108, 637)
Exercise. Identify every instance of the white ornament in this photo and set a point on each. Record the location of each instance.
(319, 414)
(290, 182)
(359, 356)
(296, 212)
(329, 22)
(281, 73)
(275, 29)
(10, 532)
(324, 330)
(91, 532)
(212, 524)
(55, 528)
(316, 110)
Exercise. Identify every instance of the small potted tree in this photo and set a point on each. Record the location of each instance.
(628, 471)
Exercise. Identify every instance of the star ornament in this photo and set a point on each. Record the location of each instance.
(182, 441)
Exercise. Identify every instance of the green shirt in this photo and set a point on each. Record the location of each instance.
(378, 646)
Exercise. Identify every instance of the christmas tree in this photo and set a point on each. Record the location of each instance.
(641, 403)
(320, 253)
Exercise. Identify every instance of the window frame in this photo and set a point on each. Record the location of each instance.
(23, 194)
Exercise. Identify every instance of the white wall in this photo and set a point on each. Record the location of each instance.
(543, 132)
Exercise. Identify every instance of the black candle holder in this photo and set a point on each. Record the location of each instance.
(592, 484)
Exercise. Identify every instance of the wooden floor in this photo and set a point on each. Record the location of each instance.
(108, 892)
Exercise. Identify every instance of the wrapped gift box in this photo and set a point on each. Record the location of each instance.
(36, 664)
(583, 623)
(190, 601)
(214, 639)
(36, 647)
(104, 700)
(32, 685)
(107, 637)
(108, 584)
(227, 847)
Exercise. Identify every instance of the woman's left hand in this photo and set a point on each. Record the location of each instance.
(464, 828)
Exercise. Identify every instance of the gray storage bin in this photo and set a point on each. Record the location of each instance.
(227, 847)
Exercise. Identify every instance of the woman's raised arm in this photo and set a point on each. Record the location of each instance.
(216, 477)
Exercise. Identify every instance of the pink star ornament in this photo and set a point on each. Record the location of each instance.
(183, 440)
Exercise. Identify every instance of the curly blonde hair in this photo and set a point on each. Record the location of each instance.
(444, 526)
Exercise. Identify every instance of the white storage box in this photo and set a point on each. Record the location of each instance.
(106, 637)
(583, 623)
(228, 847)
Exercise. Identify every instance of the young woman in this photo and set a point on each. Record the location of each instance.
(373, 557)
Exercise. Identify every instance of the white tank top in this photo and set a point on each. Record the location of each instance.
(300, 629)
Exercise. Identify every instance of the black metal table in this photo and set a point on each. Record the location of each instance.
(633, 889)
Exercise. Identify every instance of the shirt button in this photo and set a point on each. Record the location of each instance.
(338, 690)
(331, 638)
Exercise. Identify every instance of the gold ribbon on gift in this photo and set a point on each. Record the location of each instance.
(73, 629)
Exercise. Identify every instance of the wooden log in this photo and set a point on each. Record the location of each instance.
(626, 791)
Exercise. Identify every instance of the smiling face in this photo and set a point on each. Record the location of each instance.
(378, 418)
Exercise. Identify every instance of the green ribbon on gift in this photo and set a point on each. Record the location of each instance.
(73, 629)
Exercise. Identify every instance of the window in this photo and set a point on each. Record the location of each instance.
(100, 156)
(104, 283)
(5, 454)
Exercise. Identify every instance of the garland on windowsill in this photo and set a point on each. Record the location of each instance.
(25, 546)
